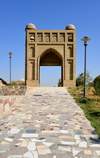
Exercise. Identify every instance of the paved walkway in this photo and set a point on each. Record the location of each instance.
(47, 124)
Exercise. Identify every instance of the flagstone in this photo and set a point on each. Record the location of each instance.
(44, 151)
(4, 148)
(4, 142)
(64, 149)
(64, 131)
(21, 139)
(28, 155)
(31, 146)
(35, 154)
(24, 144)
(15, 156)
(14, 131)
(29, 135)
(54, 156)
(37, 125)
(67, 143)
(87, 152)
(9, 139)
(58, 152)
(95, 154)
(83, 144)
(53, 124)
(36, 140)
(42, 147)
(75, 151)
(98, 152)
(50, 131)
(77, 137)
(66, 137)
(77, 141)
(30, 131)
(47, 123)
(95, 145)
(47, 144)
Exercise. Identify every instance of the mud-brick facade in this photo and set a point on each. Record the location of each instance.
(50, 48)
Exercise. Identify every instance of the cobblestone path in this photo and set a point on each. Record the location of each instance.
(47, 123)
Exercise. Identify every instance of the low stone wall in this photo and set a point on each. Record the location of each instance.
(11, 94)
(6, 102)
(12, 90)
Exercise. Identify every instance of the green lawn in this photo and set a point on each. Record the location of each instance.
(90, 105)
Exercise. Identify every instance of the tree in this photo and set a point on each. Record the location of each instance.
(97, 79)
(96, 85)
(80, 79)
(96, 90)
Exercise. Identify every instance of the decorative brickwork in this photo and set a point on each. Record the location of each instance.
(50, 48)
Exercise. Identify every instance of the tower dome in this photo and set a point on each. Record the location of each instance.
(30, 26)
(70, 27)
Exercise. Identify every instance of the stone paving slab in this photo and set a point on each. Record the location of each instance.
(47, 123)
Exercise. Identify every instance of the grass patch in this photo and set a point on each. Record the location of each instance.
(90, 105)
(15, 84)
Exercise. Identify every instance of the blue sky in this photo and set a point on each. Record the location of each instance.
(49, 15)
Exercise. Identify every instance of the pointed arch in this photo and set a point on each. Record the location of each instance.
(51, 57)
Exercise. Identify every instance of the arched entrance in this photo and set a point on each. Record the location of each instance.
(50, 48)
(51, 57)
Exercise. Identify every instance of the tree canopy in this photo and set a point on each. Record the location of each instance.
(80, 79)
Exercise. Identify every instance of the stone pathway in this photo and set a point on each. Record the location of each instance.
(47, 124)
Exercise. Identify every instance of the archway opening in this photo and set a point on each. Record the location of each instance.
(49, 76)
(51, 69)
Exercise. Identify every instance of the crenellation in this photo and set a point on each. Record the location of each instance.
(62, 37)
(39, 37)
(47, 37)
(54, 37)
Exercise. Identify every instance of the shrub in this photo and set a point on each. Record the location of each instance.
(96, 85)
(97, 79)
(80, 79)
(79, 82)
(96, 90)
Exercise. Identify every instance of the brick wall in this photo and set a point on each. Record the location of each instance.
(13, 90)
(11, 94)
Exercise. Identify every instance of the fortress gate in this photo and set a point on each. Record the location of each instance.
(50, 48)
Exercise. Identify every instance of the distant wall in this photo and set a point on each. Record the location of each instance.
(13, 90)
